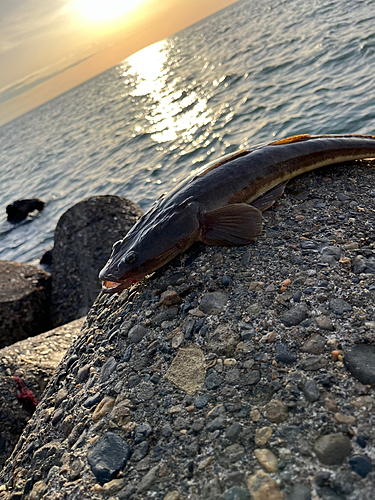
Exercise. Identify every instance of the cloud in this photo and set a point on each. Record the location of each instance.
(21, 20)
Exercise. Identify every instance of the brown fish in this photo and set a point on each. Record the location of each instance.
(222, 204)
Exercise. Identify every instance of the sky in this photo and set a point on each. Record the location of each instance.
(50, 46)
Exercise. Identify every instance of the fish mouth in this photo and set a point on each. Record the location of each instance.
(115, 286)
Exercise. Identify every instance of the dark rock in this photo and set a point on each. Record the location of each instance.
(20, 209)
(140, 451)
(83, 239)
(108, 368)
(327, 493)
(213, 381)
(142, 432)
(24, 301)
(339, 306)
(233, 432)
(108, 456)
(313, 363)
(361, 464)
(237, 493)
(314, 345)
(299, 492)
(283, 355)
(310, 391)
(46, 259)
(213, 303)
(201, 401)
(331, 254)
(331, 449)
(137, 333)
(294, 316)
(360, 361)
(361, 440)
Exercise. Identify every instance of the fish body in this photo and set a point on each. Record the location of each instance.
(221, 204)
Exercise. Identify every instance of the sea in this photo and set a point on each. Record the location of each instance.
(249, 74)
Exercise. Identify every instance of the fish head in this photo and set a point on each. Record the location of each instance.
(158, 236)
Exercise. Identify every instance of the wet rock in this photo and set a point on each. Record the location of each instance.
(20, 209)
(294, 316)
(360, 361)
(236, 493)
(331, 449)
(108, 456)
(82, 244)
(24, 302)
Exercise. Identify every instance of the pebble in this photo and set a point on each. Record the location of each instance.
(137, 333)
(256, 286)
(169, 298)
(262, 435)
(108, 456)
(310, 391)
(331, 449)
(361, 464)
(139, 451)
(283, 355)
(313, 363)
(339, 306)
(103, 407)
(172, 495)
(314, 345)
(324, 323)
(360, 361)
(294, 316)
(299, 492)
(344, 419)
(263, 487)
(266, 459)
(142, 432)
(276, 411)
(236, 493)
(213, 303)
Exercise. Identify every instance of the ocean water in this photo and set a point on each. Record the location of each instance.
(249, 74)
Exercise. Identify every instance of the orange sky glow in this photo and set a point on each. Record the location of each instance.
(49, 47)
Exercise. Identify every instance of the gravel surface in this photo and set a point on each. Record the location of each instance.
(232, 373)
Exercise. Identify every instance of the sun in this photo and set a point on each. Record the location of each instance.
(101, 10)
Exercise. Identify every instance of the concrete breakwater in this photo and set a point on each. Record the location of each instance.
(231, 373)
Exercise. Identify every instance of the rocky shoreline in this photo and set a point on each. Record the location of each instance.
(232, 373)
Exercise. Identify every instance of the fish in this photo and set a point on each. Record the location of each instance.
(222, 203)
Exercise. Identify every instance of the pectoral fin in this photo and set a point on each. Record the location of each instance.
(269, 197)
(237, 224)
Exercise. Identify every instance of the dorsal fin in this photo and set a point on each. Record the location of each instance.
(289, 140)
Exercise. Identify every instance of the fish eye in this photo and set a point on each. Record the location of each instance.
(130, 257)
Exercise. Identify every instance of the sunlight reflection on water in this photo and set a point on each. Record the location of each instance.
(174, 112)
